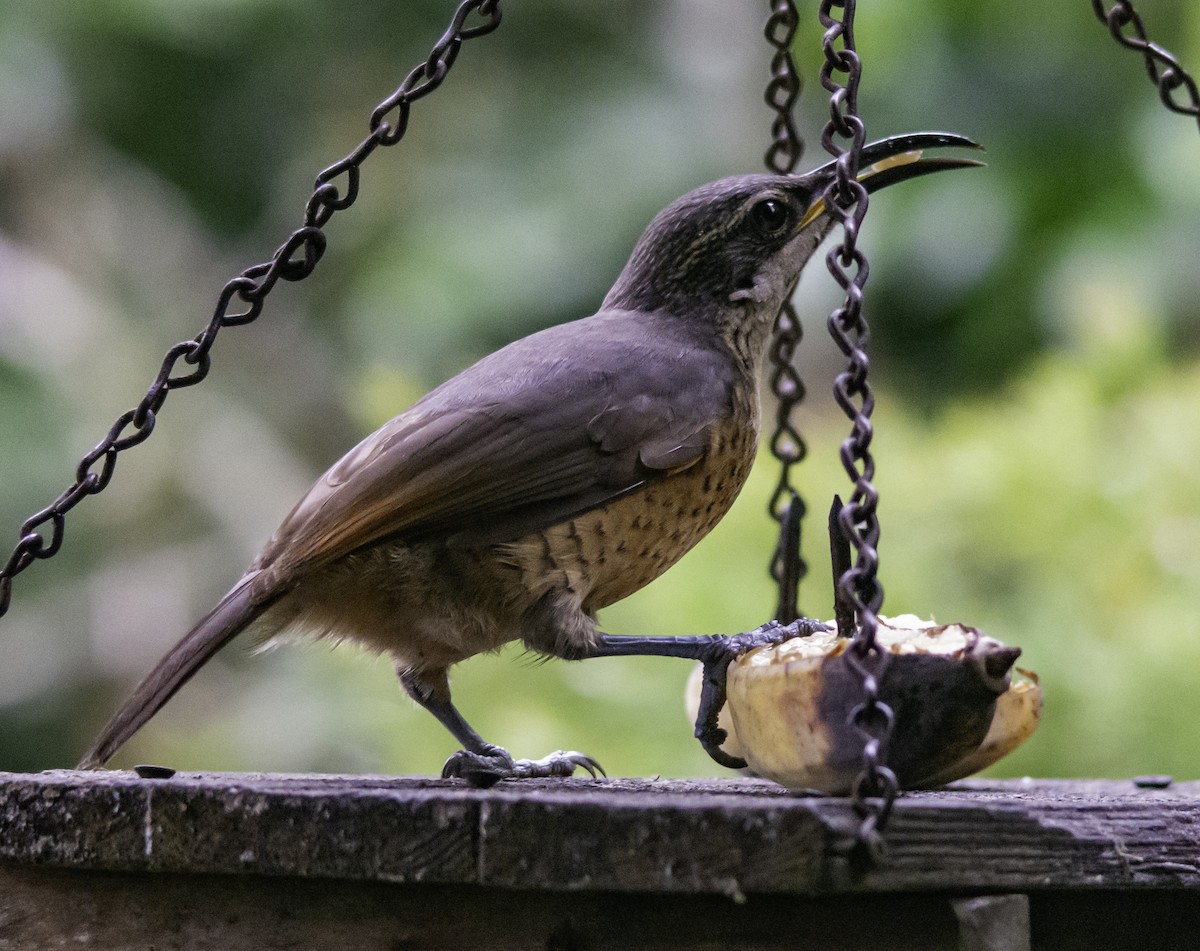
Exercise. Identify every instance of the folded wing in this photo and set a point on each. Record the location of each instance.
(524, 439)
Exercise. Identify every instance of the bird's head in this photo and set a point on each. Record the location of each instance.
(731, 250)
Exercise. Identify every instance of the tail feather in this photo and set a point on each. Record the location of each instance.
(223, 623)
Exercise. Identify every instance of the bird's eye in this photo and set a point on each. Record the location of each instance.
(770, 216)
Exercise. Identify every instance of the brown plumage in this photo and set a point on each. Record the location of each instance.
(550, 479)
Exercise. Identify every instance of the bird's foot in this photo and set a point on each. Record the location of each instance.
(768, 635)
(716, 658)
(487, 768)
(560, 763)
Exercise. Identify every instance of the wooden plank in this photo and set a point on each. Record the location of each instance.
(993, 922)
(132, 911)
(731, 837)
(54, 909)
(653, 836)
(312, 827)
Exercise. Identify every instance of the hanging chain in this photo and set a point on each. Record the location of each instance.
(787, 446)
(858, 588)
(1165, 71)
(242, 298)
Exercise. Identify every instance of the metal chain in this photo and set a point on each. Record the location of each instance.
(787, 446)
(1165, 71)
(336, 188)
(858, 588)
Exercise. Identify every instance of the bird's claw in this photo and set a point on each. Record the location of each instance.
(716, 660)
(768, 635)
(561, 763)
(483, 769)
(487, 768)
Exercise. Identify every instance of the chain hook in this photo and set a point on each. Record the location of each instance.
(293, 261)
(854, 525)
(787, 446)
(1164, 69)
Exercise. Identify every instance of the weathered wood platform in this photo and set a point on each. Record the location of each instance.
(109, 860)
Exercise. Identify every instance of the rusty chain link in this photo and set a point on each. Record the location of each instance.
(336, 189)
(787, 445)
(1165, 71)
(859, 593)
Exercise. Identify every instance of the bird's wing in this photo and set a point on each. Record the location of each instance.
(553, 425)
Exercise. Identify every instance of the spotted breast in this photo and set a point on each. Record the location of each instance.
(610, 552)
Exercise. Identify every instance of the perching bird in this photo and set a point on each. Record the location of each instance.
(552, 478)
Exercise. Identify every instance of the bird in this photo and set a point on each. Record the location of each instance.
(553, 477)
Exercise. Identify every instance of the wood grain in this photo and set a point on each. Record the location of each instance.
(729, 837)
(269, 861)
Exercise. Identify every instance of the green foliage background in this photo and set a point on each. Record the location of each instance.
(1035, 347)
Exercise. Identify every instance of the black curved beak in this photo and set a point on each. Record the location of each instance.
(894, 159)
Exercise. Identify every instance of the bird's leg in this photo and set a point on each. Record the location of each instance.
(481, 763)
(716, 652)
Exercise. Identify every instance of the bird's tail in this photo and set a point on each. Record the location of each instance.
(223, 623)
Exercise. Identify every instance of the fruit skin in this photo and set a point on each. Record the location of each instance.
(1018, 712)
(789, 707)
